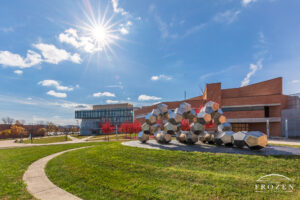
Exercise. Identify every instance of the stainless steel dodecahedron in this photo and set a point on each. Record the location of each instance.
(206, 137)
(143, 137)
(225, 137)
(239, 139)
(218, 117)
(186, 107)
(170, 128)
(151, 118)
(197, 128)
(162, 137)
(190, 115)
(203, 117)
(146, 128)
(187, 137)
(163, 108)
(224, 127)
(256, 140)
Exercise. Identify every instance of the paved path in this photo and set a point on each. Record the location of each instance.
(284, 141)
(199, 147)
(38, 184)
(4, 144)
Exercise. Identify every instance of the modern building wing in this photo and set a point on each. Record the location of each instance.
(252, 107)
(91, 120)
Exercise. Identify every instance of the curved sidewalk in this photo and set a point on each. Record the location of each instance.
(38, 184)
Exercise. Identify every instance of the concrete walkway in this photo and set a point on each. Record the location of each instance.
(200, 147)
(38, 184)
(4, 144)
(284, 141)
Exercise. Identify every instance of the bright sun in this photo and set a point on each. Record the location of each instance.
(99, 34)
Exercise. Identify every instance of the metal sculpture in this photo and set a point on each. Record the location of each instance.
(164, 123)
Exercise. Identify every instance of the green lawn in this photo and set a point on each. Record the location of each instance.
(14, 162)
(113, 171)
(79, 136)
(47, 140)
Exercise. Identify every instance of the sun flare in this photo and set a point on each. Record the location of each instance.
(99, 34)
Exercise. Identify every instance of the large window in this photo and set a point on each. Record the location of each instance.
(240, 127)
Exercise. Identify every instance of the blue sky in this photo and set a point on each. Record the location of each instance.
(57, 56)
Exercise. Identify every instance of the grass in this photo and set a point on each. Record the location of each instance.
(113, 171)
(79, 136)
(47, 140)
(112, 137)
(15, 161)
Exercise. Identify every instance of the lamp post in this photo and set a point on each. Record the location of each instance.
(286, 129)
(268, 128)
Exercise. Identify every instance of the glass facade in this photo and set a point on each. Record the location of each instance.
(114, 116)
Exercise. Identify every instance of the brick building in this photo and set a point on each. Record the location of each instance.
(247, 108)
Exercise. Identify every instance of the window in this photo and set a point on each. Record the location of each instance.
(267, 111)
(240, 127)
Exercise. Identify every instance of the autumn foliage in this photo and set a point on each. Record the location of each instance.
(107, 128)
(185, 125)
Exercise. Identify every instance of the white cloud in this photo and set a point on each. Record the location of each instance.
(56, 94)
(19, 72)
(15, 60)
(104, 94)
(144, 97)
(124, 31)
(56, 84)
(117, 9)
(228, 16)
(253, 68)
(54, 55)
(111, 101)
(161, 77)
(295, 81)
(246, 2)
(70, 36)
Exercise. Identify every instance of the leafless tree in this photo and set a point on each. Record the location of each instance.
(8, 120)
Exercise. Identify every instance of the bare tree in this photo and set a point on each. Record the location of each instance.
(8, 120)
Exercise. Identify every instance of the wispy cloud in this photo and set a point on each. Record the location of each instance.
(44, 103)
(56, 84)
(228, 16)
(117, 9)
(111, 101)
(295, 81)
(104, 94)
(119, 85)
(193, 29)
(205, 76)
(253, 68)
(19, 72)
(144, 97)
(247, 2)
(7, 29)
(161, 77)
(57, 94)
(165, 28)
